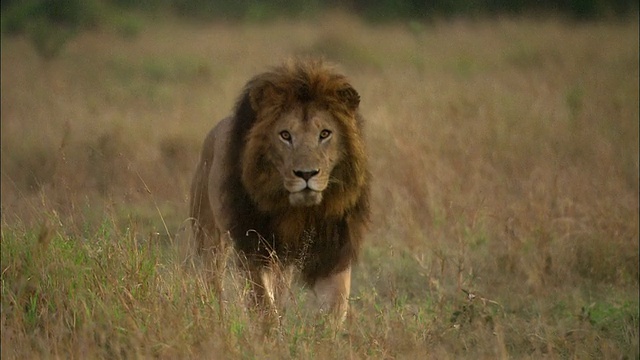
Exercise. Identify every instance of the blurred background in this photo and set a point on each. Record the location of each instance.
(16, 13)
(51, 23)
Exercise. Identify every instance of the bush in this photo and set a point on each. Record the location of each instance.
(50, 24)
(74, 14)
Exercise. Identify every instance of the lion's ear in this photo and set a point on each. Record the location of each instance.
(350, 97)
(261, 92)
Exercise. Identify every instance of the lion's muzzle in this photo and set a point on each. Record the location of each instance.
(305, 187)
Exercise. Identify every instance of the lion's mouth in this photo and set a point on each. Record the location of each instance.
(305, 197)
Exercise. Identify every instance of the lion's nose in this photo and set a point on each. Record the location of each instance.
(307, 174)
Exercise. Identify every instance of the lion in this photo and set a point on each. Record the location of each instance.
(286, 179)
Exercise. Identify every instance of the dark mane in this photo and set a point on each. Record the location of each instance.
(249, 233)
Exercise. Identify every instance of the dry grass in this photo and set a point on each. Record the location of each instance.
(505, 158)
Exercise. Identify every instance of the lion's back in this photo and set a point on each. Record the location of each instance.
(213, 170)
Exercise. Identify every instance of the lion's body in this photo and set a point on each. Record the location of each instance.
(286, 177)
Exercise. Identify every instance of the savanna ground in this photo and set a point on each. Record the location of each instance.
(505, 196)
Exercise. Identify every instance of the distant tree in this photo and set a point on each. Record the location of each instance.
(50, 23)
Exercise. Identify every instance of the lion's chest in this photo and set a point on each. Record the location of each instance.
(296, 248)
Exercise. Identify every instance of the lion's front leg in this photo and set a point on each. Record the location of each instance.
(332, 293)
(262, 287)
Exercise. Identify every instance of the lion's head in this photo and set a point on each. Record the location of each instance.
(305, 147)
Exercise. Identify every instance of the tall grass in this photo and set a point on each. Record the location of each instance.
(505, 192)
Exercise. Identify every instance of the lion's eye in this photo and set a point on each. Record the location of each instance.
(325, 134)
(285, 135)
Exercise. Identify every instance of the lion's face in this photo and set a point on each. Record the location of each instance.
(303, 145)
(306, 146)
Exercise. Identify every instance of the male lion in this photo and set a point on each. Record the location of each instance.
(286, 178)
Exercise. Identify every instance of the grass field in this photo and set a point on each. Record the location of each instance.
(505, 196)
